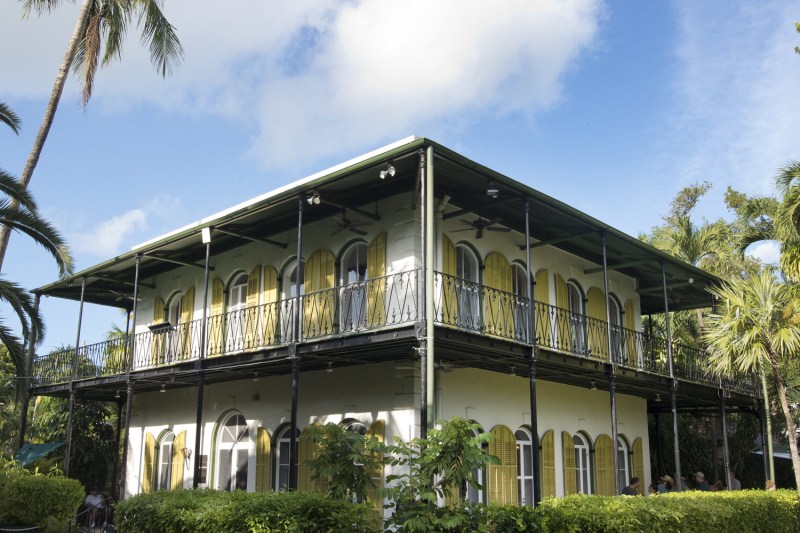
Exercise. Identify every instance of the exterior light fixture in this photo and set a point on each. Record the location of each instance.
(205, 234)
(388, 172)
(492, 191)
(116, 394)
(330, 367)
(255, 376)
(163, 388)
(658, 396)
(593, 385)
(691, 280)
(512, 372)
(313, 199)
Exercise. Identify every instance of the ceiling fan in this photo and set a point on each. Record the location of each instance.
(123, 296)
(480, 224)
(348, 225)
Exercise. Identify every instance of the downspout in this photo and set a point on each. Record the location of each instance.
(299, 271)
(532, 355)
(610, 368)
(674, 384)
(68, 447)
(129, 383)
(429, 296)
(422, 328)
(206, 236)
(23, 423)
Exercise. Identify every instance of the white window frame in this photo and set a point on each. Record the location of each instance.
(525, 482)
(623, 462)
(353, 296)
(583, 466)
(240, 444)
(467, 288)
(165, 445)
(283, 439)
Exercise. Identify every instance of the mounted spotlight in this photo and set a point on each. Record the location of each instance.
(388, 172)
(163, 388)
(658, 397)
(492, 191)
(330, 367)
(313, 198)
(593, 385)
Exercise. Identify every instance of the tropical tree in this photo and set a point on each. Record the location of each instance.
(101, 25)
(757, 327)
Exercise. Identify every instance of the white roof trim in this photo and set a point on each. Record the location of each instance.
(257, 199)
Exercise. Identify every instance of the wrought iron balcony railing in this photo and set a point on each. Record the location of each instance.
(389, 301)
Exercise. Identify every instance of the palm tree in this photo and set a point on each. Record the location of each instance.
(757, 328)
(99, 21)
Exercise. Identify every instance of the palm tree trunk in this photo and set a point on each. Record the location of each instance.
(768, 417)
(791, 430)
(49, 113)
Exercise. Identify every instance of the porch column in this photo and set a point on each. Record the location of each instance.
(115, 468)
(659, 455)
(714, 459)
(726, 462)
(206, 236)
(26, 396)
(129, 383)
(610, 365)
(298, 329)
(68, 446)
(532, 356)
(674, 384)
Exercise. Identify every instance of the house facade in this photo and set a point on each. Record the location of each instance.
(403, 287)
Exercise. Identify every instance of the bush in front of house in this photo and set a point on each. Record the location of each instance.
(750, 510)
(36, 499)
(213, 511)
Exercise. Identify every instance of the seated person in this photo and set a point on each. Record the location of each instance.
(93, 502)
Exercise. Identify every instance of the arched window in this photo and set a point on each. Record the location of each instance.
(165, 461)
(467, 290)
(233, 453)
(577, 318)
(289, 302)
(617, 348)
(354, 290)
(583, 470)
(354, 426)
(524, 466)
(519, 281)
(282, 444)
(237, 301)
(623, 462)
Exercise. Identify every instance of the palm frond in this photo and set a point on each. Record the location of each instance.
(12, 188)
(41, 231)
(166, 52)
(9, 118)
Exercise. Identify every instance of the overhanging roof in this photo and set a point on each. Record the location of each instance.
(272, 218)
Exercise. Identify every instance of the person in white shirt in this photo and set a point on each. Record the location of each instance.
(735, 483)
(94, 502)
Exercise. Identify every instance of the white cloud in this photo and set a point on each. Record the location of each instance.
(106, 238)
(330, 75)
(767, 252)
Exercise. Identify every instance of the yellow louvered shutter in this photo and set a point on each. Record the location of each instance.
(541, 293)
(604, 466)
(252, 310)
(263, 455)
(185, 327)
(562, 314)
(548, 463)
(629, 337)
(596, 309)
(148, 463)
(269, 301)
(318, 303)
(568, 457)
(157, 346)
(216, 321)
(306, 451)
(497, 277)
(376, 284)
(638, 462)
(176, 476)
(376, 430)
(449, 307)
(503, 487)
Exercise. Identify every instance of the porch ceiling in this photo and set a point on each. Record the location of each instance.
(272, 218)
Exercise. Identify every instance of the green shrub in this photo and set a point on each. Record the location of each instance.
(37, 499)
(211, 511)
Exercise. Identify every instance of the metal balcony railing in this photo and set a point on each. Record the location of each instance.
(388, 301)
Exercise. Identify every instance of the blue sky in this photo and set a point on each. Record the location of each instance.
(609, 106)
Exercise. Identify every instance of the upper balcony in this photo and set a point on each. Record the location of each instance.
(382, 304)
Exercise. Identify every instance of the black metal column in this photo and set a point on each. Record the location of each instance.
(293, 348)
(714, 453)
(68, 446)
(26, 383)
(763, 429)
(610, 365)
(532, 356)
(423, 325)
(659, 455)
(115, 468)
(674, 384)
(129, 385)
(726, 461)
(206, 232)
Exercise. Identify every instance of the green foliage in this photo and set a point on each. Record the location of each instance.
(32, 498)
(751, 511)
(344, 459)
(211, 511)
(439, 467)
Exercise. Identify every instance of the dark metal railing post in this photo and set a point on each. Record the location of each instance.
(26, 382)
(293, 348)
(674, 384)
(73, 375)
(129, 383)
(206, 236)
(532, 356)
(610, 366)
(422, 328)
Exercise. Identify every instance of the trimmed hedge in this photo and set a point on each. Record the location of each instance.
(38, 499)
(213, 511)
(750, 510)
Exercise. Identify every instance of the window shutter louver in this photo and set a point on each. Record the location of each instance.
(149, 463)
(497, 302)
(562, 314)
(541, 293)
(176, 475)
(638, 462)
(318, 303)
(377, 430)
(568, 457)
(376, 283)
(157, 344)
(269, 301)
(187, 314)
(548, 465)
(596, 309)
(216, 325)
(263, 456)
(251, 312)
(629, 337)
(449, 306)
(604, 465)
(502, 478)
